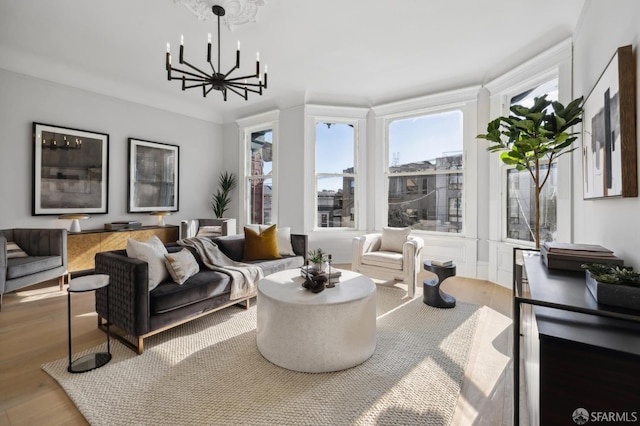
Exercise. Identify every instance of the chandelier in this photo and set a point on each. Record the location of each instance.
(216, 79)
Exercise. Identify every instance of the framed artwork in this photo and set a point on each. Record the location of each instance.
(70, 171)
(609, 131)
(153, 176)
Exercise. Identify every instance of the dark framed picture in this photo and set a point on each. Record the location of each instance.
(609, 131)
(153, 176)
(70, 171)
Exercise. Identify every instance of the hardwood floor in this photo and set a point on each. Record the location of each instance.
(33, 331)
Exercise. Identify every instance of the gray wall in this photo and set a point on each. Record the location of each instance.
(613, 223)
(24, 100)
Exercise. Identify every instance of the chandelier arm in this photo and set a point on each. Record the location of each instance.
(246, 77)
(249, 89)
(195, 69)
(196, 85)
(230, 71)
(210, 89)
(242, 85)
(238, 93)
(203, 77)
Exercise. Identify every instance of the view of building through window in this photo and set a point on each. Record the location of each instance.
(259, 181)
(521, 214)
(335, 175)
(425, 177)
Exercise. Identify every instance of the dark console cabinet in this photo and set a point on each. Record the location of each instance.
(576, 354)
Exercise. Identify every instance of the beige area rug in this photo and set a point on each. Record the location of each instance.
(209, 372)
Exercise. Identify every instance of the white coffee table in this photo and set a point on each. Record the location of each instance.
(315, 333)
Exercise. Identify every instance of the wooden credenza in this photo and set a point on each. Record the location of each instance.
(576, 353)
(83, 246)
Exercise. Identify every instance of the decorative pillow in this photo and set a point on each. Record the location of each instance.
(209, 231)
(181, 265)
(151, 251)
(283, 236)
(14, 250)
(261, 245)
(394, 238)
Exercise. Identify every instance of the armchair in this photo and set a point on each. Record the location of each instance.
(45, 259)
(214, 227)
(392, 254)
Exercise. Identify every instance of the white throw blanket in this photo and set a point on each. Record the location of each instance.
(244, 277)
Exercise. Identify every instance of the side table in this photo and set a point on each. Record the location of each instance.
(94, 360)
(432, 295)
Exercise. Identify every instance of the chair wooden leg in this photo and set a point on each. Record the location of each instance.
(61, 282)
(1, 301)
(248, 304)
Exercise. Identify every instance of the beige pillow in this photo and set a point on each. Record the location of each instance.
(14, 250)
(283, 236)
(151, 251)
(181, 265)
(209, 231)
(394, 238)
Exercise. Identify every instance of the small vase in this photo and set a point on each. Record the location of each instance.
(320, 267)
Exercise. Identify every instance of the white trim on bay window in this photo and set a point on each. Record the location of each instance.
(247, 126)
(357, 117)
(553, 63)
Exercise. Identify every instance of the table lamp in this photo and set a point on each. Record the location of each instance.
(161, 216)
(75, 221)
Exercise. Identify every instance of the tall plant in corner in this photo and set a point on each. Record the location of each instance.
(531, 135)
(222, 198)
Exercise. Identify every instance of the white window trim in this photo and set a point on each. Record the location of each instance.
(553, 63)
(315, 114)
(464, 100)
(248, 125)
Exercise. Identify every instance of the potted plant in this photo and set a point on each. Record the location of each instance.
(318, 258)
(534, 134)
(221, 199)
(613, 285)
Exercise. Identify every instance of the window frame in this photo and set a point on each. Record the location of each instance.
(357, 117)
(387, 174)
(248, 126)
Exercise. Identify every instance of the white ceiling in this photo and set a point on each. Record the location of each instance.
(342, 52)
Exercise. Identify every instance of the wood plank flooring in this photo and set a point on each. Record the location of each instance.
(33, 331)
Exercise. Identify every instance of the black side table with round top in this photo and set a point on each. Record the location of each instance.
(94, 360)
(432, 295)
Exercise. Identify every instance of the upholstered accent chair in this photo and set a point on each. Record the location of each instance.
(30, 256)
(208, 227)
(391, 254)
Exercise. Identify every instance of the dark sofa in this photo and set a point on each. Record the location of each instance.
(139, 313)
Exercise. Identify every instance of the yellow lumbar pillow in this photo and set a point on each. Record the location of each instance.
(261, 245)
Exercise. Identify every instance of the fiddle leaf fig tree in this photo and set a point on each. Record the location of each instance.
(532, 135)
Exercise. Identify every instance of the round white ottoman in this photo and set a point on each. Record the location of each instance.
(315, 333)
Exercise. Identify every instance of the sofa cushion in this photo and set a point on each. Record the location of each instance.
(151, 251)
(283, 236)
(181, 265)
(261, 245)
(384, 259)
(394, 238)
(22, 266)
(232, 246)
(205, 284)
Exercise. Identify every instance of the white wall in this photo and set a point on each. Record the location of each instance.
(24, 100)
(613, 223)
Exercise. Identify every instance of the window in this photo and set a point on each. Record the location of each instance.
(424, 172)
(259, 179)
(335, 175)
(521, 212)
